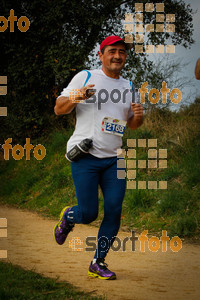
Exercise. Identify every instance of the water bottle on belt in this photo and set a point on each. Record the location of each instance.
(80, 150)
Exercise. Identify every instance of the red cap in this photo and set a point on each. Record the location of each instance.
(111, 40)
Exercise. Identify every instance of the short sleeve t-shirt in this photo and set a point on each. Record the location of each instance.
(113, 98)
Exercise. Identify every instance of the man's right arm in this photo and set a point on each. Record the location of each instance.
(64, 105)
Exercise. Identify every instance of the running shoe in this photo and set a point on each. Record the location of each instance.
(63, 228)
(100, 270)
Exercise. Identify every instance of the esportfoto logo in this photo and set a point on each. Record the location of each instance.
(23, 22)
(164, 23)
(3, 234)
(153, 243)
(3, 92)
(157, 158)
(17, 151)
(154, 95)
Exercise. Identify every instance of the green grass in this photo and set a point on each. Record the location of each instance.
(46, 186)
(16, 283)
(42, 186)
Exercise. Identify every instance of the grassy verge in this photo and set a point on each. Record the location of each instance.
(16, 283)
(176, 209)
(42, 186)
(46, 186)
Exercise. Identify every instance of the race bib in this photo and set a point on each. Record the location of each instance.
(113, 126)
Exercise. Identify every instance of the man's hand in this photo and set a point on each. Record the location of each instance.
(138, 110)
(197, 69)
(78, 95)
(64, 105)
(136, 120)
(87, 91)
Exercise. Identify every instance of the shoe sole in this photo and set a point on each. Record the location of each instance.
(91, 274)
(61, 216)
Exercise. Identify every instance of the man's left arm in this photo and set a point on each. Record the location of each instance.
(137, 119)
(197, 70)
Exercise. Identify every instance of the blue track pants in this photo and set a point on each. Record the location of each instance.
(88, 173)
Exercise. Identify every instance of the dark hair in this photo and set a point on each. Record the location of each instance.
(103, 49)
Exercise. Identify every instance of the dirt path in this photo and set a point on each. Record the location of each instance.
(147, 275)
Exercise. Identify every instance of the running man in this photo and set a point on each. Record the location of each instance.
(99, 167)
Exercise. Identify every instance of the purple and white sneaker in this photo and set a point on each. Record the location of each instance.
(62, 228)
(100, 270)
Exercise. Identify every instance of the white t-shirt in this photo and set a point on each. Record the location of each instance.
(89, 116)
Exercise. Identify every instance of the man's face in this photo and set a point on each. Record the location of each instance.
(114, 57)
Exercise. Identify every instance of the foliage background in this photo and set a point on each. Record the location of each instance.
(39, 63)
(59, 43)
